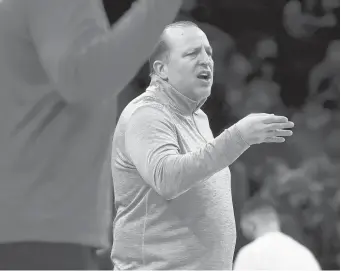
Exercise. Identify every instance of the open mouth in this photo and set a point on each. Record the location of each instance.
(204, 75)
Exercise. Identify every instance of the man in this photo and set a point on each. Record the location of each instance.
(271, 249)
(59, 62)
(171, 177)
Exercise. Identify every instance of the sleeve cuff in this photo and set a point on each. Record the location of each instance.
(235, 131)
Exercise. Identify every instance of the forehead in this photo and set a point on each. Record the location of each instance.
(186, 38)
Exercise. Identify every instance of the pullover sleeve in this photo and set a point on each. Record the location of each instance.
(151, 143)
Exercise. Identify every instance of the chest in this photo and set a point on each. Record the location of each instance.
(193, 131)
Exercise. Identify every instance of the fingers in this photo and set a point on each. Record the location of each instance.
(279, 126)
(281, 133)
(274, 119)
(274, 139)
(277, 136)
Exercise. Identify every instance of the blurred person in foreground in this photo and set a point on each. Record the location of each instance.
(60, 67)
(171, 176)
(270, 249)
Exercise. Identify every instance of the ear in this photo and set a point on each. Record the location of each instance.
(161, 69)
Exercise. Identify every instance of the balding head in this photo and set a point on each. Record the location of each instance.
(183, 58)
(258, 217)
(162, 49)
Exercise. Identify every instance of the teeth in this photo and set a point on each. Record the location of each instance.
(206, 74)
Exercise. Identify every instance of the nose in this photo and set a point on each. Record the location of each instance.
(204, 59)
(204, 62)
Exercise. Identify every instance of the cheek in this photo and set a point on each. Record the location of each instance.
(181, 67)
(185, 71)
(182, 74)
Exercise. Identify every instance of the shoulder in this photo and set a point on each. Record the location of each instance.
(245, 257)
(146, 110)
(247, 251)
(146, 103)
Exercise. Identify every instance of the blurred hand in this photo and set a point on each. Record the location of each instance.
(264, 128)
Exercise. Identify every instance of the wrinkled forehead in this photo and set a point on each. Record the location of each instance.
(185, 38)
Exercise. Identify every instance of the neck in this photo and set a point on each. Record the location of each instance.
(170, 85)
(185, 104)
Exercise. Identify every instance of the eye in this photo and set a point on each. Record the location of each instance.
(191, 53)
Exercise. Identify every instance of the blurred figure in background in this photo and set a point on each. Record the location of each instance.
(60, 69)
(315, 125)
(256, 90)
(307, 199)
(262, 93)
(324, 78)
(237, 72)
(301, 20)
(257, 47)
(269, 171)
(270, 249)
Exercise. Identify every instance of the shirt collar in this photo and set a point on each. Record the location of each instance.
(168, 93)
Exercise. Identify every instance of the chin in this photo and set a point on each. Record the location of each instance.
(206, 92)
(201, 92)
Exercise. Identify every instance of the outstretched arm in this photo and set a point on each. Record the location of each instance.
(151, 143)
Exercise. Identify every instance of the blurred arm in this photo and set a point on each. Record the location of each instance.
(86, 60)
